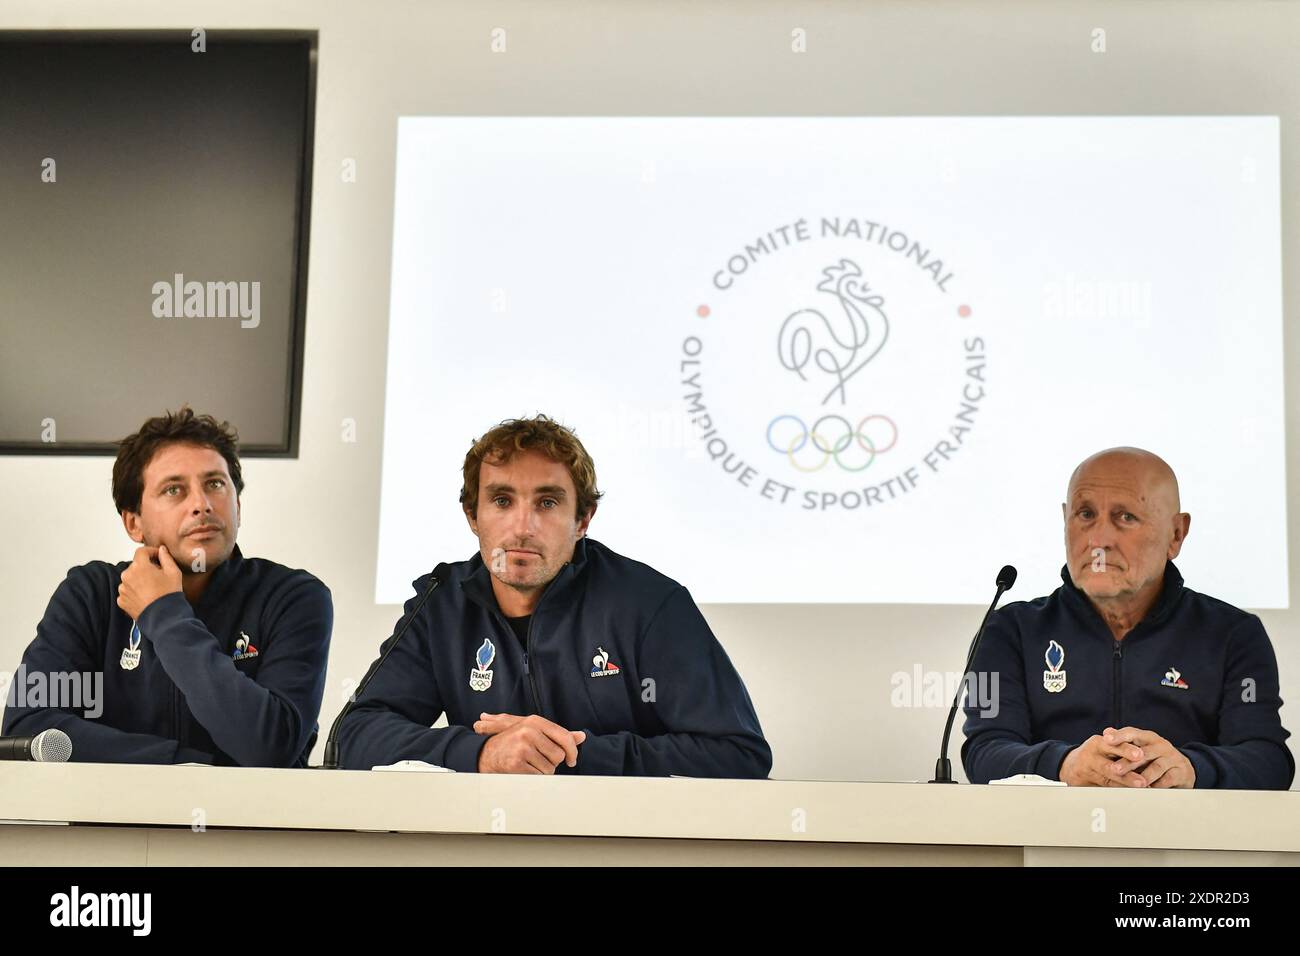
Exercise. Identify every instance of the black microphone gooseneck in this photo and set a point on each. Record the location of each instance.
(943, 766)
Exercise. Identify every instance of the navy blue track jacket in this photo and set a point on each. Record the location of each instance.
(614, 648)
(235, 680)
(1198, 672)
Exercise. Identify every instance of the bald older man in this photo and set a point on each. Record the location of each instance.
(1124, 677)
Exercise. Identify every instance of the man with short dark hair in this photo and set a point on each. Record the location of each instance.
(548, 652)
(1124, 677)
(206, 656)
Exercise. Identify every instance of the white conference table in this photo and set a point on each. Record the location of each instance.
(113, 814)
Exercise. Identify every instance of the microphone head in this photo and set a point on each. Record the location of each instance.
(51, 746)
(1006, 578)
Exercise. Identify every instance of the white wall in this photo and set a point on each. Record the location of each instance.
(819, 675)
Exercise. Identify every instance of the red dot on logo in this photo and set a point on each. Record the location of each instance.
(702, 312)
(963, 311)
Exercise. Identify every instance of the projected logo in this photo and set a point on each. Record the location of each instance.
(878, 376)
(841, 347)
(835, 345)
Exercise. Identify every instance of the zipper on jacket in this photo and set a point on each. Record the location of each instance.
(528, 653)
(528, 670)
(528, 647)
(1117, 660)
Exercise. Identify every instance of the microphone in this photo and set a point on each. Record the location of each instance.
(331, 761)
(943, 766)
(49, 746)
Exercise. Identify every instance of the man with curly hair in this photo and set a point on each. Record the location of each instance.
(547, 651)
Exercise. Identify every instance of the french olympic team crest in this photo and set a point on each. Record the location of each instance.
(834, 364)
(1054, 676)
(480, 676)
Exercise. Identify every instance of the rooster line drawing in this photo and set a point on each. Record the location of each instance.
(841, 345)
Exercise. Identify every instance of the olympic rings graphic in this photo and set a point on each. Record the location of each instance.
(802, 434)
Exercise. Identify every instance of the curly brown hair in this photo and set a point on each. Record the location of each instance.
(549, 437)
(181, 427)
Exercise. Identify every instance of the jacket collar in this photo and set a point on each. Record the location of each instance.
(477, 584)
(1171, 590)
(222, 577)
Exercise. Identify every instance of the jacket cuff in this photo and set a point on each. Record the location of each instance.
(1207, 777)
(462, 753)
(595, 757)
(1050, 760)
(166, 611)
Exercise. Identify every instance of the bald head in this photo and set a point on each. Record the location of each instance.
(1146, 473)
(1123, 523)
